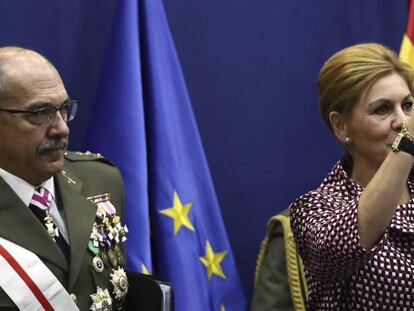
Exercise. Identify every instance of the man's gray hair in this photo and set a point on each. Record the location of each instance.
(7, 55)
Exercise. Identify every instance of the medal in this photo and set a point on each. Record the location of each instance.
(112, 257)
(107, 233)
(97, 264)
(51, 228)
(119, 255)
(92, 248)
(122, 233)
(116, 220)
(100, 212)
(101, 300)
(102, 201)
(120, 282)
(104, 256)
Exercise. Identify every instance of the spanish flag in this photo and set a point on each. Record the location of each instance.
(407, 46)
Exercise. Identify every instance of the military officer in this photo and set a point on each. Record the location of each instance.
(61, 235)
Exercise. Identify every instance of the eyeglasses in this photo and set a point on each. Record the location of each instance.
(46, 115)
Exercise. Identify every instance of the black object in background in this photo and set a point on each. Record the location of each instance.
(148, 293)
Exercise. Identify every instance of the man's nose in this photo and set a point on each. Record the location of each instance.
(59, 125)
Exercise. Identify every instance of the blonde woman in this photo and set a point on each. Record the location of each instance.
(355, 233)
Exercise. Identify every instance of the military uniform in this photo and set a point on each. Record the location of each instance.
(85, 176)
(280, 284)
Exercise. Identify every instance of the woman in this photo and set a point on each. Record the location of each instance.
(355, 233)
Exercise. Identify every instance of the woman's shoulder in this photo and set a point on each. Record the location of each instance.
(313, 199)
(336, 188)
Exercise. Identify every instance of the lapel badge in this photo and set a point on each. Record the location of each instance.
(120, 282)
(101, 300)
(97, 264)
(68, 179)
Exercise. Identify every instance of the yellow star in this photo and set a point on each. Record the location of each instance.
(222, 308)
(179, 213)
(144, 269)
(212, 261)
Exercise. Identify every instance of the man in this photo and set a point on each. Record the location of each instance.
(60, 232)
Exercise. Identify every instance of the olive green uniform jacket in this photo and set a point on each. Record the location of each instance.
(84, 175)
(280, 284)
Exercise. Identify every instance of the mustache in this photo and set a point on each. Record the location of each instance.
(54, 144)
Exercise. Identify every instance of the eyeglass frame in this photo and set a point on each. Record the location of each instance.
(72, 102)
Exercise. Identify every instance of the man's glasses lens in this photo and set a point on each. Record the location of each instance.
(70, 110)
(47, 115)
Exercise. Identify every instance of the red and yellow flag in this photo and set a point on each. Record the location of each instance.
(407, 46)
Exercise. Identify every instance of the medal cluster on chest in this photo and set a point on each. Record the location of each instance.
(105, 244)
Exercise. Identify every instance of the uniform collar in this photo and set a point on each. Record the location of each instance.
(23, 189)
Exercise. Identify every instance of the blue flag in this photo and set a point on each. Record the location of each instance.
(143, 122)
(117, 128)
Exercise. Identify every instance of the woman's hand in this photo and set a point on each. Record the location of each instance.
(408, 125)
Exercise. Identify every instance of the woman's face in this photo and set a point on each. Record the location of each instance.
(376, 119)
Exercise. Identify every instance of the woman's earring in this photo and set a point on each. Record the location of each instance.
(347, 140)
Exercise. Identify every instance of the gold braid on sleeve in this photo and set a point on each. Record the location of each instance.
(294, 265)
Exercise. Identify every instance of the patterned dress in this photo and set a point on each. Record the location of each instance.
(341, 274)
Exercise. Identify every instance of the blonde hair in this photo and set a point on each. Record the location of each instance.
(347, 75)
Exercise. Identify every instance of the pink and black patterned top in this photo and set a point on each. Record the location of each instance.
(341, 274)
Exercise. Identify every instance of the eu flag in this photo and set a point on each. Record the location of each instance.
(143, 122)
(117, 128)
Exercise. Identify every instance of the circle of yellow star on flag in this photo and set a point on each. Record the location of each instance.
(179, 213)
(212, 261)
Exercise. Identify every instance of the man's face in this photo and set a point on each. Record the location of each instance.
(28, 150)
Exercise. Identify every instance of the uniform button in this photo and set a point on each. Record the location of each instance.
(74, 298)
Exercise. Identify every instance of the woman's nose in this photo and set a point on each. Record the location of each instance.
(398, 120)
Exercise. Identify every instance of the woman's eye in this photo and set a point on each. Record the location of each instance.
(407, 106)
(382, 110)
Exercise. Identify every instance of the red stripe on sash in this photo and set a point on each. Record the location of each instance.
(26, 278)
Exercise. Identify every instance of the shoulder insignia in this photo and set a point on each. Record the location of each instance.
(82, 156)
(76, 156)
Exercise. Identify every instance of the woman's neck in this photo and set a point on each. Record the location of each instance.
(363, 173)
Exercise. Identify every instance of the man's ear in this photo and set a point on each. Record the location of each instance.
(339, 126)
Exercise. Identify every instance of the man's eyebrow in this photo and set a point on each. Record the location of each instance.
(44, 104)
(38, 105)
(68, 99)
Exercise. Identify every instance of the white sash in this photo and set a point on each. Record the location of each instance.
(29, 283)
